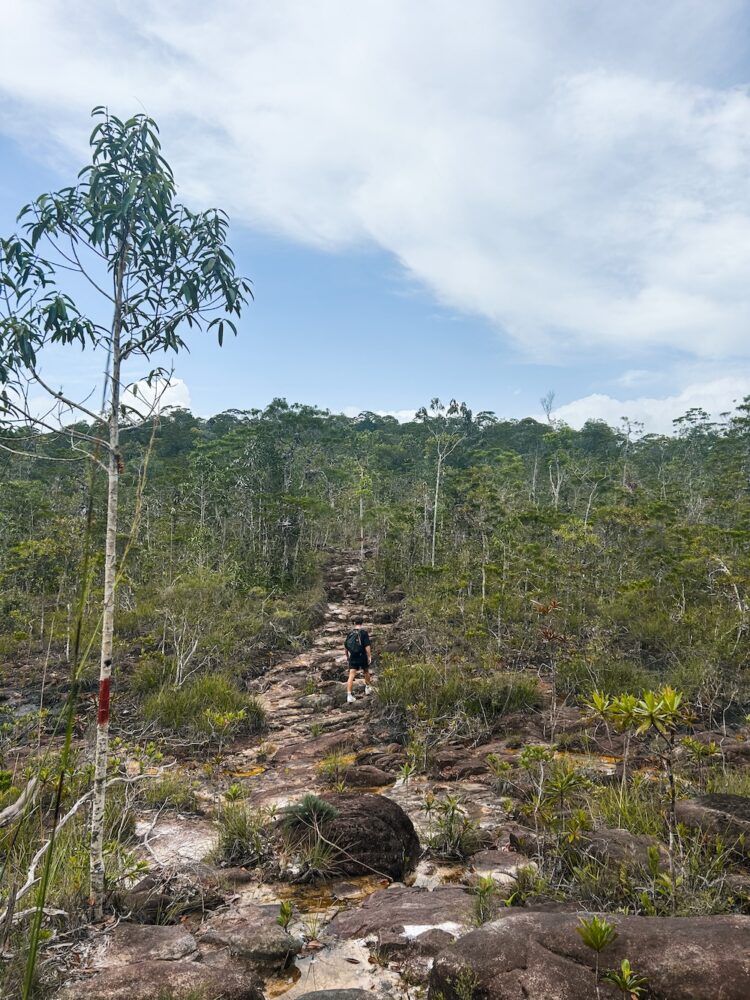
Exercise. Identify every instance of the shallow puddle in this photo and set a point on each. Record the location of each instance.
(346, 965)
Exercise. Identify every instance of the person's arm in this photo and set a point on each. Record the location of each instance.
(368, 648)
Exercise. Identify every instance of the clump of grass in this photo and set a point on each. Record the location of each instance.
(452, 834)
(734, 781)
(438, 690)
(244, 837)
(311, 812)
(151, 674)
(197, 704)
(173, 790)
(637, 806)
(332, 766)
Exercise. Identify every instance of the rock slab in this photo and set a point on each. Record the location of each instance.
(540, 955)
(176, 980)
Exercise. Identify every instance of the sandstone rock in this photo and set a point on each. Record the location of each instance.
(400, 916)
(162, 896)
(726, 815)
(367, 776)
(338, 995)
(176, 980)
(375, 836)
(523, 840)
(314, 749)
(501, 865)
(540, 955)
(130, 943)
(252, 933)
(621, 847)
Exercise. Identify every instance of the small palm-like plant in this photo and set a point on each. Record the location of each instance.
(485, 899)
(286, 912)
(626, 981)
(597, 934)
(310, 812)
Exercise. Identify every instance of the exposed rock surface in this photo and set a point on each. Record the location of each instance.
(130, 943)
(621, 847)
(367, 776)
(338, 995)
(726, 815)
(164, 895)
(540, 955)
(403, 914)
(375, 835)
(253, 934)
(175, 980)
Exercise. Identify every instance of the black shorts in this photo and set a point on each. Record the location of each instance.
(358, 665)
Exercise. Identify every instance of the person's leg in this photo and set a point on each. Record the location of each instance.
(350, 684)
(368, 680)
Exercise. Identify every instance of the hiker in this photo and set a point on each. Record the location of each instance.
(359, 657)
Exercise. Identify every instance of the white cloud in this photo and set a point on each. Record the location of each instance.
(573, 172)
(403, 416)
(715, 397)
(162, 395)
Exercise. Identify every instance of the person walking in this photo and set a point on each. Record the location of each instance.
(359, 657)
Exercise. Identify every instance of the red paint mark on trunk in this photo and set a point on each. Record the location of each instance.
(103, 716)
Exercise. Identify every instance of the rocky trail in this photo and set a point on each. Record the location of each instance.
(390, 920)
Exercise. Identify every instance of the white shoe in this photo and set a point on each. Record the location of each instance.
(368, 689)
(350, 699)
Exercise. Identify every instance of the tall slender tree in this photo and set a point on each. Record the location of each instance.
(448, 427)
(156, 268)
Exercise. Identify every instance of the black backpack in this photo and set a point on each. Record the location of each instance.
(353, 642)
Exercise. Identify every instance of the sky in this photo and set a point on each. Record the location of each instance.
(482, 200)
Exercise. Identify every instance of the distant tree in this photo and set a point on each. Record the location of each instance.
(448, 427)
(157, 268)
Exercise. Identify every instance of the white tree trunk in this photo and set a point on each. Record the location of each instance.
(96, 854)
(435, 507)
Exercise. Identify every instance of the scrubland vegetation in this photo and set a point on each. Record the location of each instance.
(596, 569)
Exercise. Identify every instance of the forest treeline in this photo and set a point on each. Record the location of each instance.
(623, 556)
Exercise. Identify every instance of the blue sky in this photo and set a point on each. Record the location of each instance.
(488, 203)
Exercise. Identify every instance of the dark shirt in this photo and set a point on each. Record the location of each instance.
(360, 659)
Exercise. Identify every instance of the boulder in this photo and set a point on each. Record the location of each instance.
(621, 847)
(540, 955)
(524, 841)
(405, 917)
(374, 835)
(367, 776)
(723, 814)
(176, 980)
(502, 866)
(130, 943)
(253, 934)
(164, 895)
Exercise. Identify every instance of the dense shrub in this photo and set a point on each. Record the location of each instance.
(196, 705)
(440, 689)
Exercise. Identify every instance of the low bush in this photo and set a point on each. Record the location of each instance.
(196, 705)
(173, 790)
(580, 674)
(243, 835)
(437, 690)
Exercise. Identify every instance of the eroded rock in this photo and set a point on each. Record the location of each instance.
(723, 814)
(540, 955)
(176, 980)
(253, 934)
(163, 896)
(374, 834)
(404, 916)
(130, 943)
